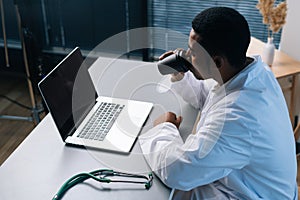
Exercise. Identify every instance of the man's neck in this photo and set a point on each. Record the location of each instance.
(229, 72)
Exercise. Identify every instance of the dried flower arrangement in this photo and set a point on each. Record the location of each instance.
(273, 16)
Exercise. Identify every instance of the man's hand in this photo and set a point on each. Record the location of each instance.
(177, 76)
(166, 54)
(168, 117)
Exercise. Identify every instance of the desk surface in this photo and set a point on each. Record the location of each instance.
(283, 64)
(42, 163)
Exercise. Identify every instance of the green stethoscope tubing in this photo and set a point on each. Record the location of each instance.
(79, 178)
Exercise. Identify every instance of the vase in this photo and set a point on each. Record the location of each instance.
(269, 52)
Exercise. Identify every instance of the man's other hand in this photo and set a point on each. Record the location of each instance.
(168, 117)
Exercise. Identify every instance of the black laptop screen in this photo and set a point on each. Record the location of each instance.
(68, 92)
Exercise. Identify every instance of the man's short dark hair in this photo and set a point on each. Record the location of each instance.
(223, 31)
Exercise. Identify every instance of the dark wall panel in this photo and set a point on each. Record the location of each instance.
(59, 25)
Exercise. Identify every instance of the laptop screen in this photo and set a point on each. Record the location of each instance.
(69, 95)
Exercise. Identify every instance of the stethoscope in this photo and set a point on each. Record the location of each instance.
(101, 175)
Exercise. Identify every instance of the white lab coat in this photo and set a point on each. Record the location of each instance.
(243, 147)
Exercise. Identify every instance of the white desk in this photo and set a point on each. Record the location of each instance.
(42, 163)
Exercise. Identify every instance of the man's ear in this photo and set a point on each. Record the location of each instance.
(219, 61)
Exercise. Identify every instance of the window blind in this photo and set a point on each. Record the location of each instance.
(177, 15)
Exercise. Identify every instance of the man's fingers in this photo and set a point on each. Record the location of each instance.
(178, 121)
(177, 76)
(166, 54)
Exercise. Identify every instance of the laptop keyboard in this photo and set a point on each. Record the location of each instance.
(101, 121)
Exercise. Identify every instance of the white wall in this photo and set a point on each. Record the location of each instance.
(290, 39)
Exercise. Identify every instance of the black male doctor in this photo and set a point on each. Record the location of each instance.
(243, 147)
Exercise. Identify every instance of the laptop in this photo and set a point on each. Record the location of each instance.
(82, 117)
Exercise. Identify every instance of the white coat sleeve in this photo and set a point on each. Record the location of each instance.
(192, 90)
(204, 157)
